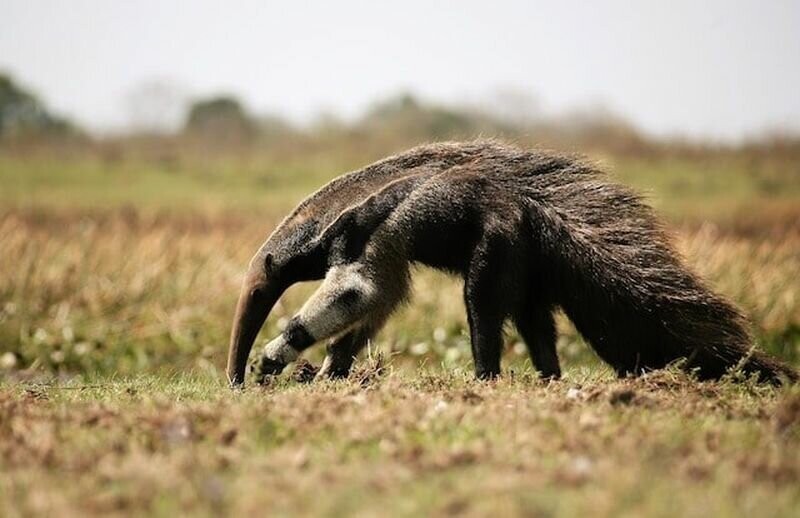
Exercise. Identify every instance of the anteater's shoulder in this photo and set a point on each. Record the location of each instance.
(324, 205)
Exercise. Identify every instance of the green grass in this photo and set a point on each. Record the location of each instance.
(91, 183)
(715, 189)
(684, 189)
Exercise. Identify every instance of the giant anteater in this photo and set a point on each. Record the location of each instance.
(529, 232)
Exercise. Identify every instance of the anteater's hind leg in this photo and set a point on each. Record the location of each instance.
(488, 293)
(537, 328)
(486, 332)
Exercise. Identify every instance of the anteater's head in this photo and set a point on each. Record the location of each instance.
(344, 211)
(286, 258)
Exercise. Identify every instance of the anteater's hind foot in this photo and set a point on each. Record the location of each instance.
(538, 330)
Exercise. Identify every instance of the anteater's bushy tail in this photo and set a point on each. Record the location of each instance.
(613, 270)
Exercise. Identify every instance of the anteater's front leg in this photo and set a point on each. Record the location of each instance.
(340, 303)
(342, 352)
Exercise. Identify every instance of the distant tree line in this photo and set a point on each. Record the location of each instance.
(220, 122)
(22, 113)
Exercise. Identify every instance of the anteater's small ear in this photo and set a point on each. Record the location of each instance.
(268, 262)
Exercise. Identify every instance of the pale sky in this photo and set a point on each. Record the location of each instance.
(714, 69)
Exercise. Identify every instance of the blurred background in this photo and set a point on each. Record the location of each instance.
(148, 148)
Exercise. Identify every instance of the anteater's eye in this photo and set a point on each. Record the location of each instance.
(349, 297)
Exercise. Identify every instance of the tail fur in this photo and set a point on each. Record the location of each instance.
(612, 268)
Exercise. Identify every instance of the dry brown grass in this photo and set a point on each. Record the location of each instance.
(126, 292)
(433, 443)
(118, 278)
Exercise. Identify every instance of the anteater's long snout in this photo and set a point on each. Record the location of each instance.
(256, 300)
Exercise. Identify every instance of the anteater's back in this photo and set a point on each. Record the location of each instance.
(323, 206)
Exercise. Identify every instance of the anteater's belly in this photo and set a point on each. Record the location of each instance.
(445, 245)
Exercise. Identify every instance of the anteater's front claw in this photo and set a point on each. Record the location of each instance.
(265, 368)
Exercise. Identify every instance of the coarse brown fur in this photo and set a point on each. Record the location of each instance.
(529, 231)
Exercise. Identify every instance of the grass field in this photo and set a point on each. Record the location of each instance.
(429, 443)
(119, 275)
